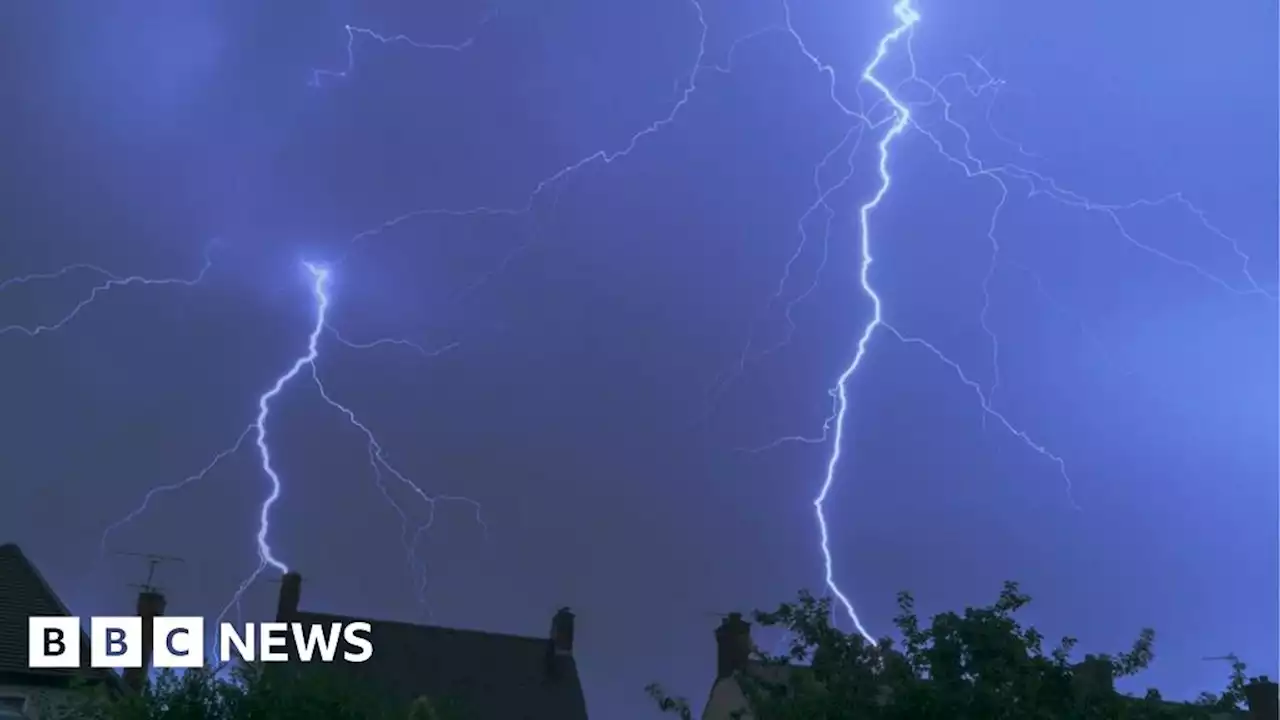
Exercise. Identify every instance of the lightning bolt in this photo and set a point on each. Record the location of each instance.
(319, 288)
(907, 17)
(606, 157)
(901, 120)
(320, 277)
(379, 463)
(109, 281)
(889, 114)
(318, 76)
(392, 341)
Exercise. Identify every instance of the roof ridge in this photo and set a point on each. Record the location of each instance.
(421, 626)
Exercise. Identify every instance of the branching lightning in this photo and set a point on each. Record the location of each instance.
(907, 17)
(379, 462)
(320, 280)
(903, 120)
(606, 157)
(320, 277)
(893, 117)
(889, 115)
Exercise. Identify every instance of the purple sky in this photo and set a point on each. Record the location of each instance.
(593, 398)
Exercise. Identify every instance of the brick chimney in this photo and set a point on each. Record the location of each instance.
(151, 605)
(562, 632)
(1263, 698)
(733, 646)
(290, 594)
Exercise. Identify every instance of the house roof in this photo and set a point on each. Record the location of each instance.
(488, 676)
(770, 674)
(25, 593)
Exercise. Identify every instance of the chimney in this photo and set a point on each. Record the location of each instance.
(559, 659)
(151, 605)
(562, 632)
(290, 594)
(733, 646)
(1263, 698)
(1094, 677)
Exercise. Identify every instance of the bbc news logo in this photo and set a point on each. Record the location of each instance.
(179, 642)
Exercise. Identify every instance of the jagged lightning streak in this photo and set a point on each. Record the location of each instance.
(266, 557)
(114, 281)
(379, 462)
(903, 119)
(392, 341)
(317, 76)
(907, 18)
(320, 277)
(606, 157)
(111, 282)
(900, 119)
(158, 490)
(319, 289)
(1041, 185)
(377, 455)
(253, 428)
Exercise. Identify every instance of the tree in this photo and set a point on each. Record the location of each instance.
(981, 664)
(245, 692)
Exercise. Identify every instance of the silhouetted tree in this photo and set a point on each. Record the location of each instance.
(981, 664)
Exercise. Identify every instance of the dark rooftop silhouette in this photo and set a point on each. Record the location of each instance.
(489, 676)
(25, 593)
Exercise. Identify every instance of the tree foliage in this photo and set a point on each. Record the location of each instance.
(981, 664)
(245, 692)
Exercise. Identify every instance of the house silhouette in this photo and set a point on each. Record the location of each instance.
(485, 676)
(24, 593)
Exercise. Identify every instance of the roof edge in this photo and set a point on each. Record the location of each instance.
(110, 675)
(305, 615)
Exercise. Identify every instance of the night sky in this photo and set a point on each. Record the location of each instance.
(591, 394)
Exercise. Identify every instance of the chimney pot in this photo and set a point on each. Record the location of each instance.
(290, 595)
(733, 646)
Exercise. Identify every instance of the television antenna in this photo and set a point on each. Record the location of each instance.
(153, 561)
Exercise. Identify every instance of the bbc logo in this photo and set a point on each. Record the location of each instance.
(114, 642)
(178, 642)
